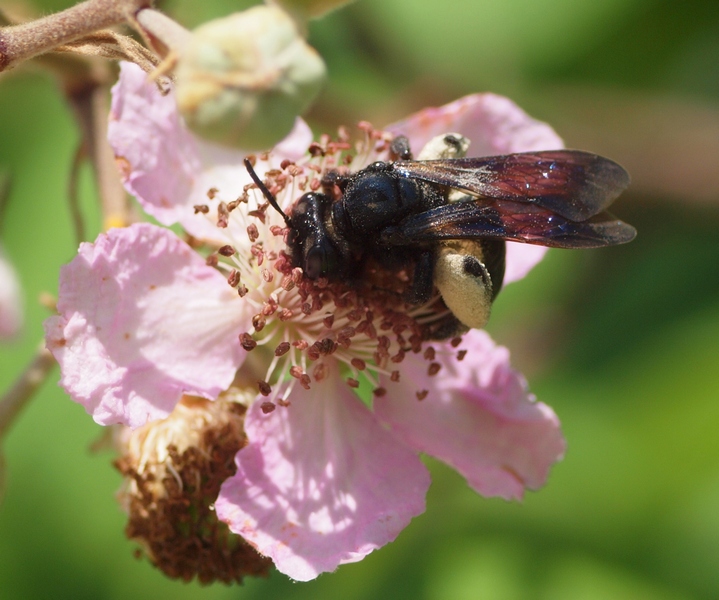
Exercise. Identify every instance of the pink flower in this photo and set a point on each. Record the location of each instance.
(10, 302)
(324, 479)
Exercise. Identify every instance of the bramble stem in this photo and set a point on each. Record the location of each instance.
(20, 42)
(18, 395)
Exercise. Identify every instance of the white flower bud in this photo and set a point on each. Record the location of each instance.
(244, 79)
(10, 303)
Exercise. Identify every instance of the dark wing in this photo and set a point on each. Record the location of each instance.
(571, 183)
(508, 220)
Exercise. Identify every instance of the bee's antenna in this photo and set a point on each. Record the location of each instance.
(265, 192)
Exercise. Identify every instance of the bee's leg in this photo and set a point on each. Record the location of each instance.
(423, 280)
(399, 149)
(332, 183)
(446, 328)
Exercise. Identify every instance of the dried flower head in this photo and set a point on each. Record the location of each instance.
(173, 471)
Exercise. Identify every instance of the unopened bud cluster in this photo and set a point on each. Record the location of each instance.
(242, 80)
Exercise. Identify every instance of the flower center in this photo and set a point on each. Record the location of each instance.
(365, 325)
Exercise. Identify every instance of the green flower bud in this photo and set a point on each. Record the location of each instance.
(243, 79)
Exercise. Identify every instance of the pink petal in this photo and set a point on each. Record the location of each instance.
(521, 259)
(10, 299)
(478, 417)
(495, 125)
(167, 167)
(321, 482)
(143, 320)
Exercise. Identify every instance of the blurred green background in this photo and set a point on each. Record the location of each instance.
(623, 342)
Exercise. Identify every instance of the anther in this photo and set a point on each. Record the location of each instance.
(223, 215)
(326, 346)
(267, 407)
(320, 371)
(421, 395)
(234, 278)
(347, 331)
(259, 322)
(461, 354)
(315, 149)
(355, 315)
(259, 214)
(282, 348)
(253, 232)
(358, 364)
(258, 253)
(247, 342)
(264, 388)
(415, 342)
(287, 284)
(227, 251)
(433, 369)
(379, 392)
(201, 208)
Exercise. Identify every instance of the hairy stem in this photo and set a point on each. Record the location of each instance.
(20, 393)
(21, 42)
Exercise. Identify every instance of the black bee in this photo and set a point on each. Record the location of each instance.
(400, 214)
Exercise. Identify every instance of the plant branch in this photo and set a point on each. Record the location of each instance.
(21, 42)
(20, 393)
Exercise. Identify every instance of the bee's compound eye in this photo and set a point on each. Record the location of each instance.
(321, 260)
(315, 263)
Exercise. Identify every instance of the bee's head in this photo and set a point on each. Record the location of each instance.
(312, 245)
